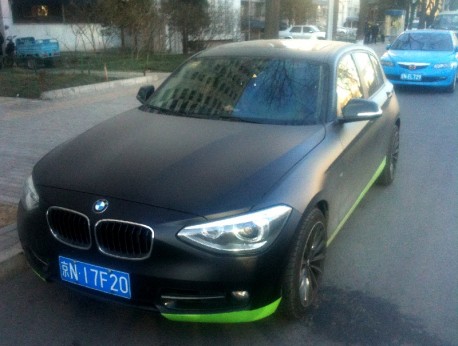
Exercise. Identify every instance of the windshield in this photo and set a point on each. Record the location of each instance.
(423, 41)
(446, 21)
(260, 90)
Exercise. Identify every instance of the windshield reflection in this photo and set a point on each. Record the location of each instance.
(274, 91)
(423, 41)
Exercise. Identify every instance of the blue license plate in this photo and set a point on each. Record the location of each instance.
(411, 76)
(94, 277)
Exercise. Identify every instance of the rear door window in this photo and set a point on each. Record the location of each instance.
(371, 77)
(348, 83)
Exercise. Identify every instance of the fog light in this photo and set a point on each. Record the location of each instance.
(241, 296)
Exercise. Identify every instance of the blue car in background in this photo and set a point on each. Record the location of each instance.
(33, 50)
(423, 58)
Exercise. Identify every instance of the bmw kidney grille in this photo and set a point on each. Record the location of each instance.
(124, 239)
(120, 239)
(69, 227)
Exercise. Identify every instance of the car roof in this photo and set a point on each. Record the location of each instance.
(283, 48)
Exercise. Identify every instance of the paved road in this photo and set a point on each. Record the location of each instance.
(397, 259)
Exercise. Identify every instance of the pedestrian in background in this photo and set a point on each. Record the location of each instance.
(382, 33)
(374, 32)
(367, 33)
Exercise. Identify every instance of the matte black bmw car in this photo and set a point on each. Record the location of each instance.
(216, 199)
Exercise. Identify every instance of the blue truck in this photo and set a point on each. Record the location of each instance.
(33, 51)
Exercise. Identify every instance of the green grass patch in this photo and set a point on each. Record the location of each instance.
(74, 69)
(119, 61)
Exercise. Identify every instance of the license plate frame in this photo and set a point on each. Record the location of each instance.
(102, 279)
(415, 77)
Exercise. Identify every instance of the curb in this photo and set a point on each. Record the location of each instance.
(153, 78)
(12, 265)
(12, 258)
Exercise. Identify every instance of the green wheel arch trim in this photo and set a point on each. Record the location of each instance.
(227, 317)
(361, 196)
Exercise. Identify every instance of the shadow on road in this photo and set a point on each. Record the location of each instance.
(33, 312)
(353, 317)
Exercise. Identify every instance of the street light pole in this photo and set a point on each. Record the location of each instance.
(249, 20)
(330, 19)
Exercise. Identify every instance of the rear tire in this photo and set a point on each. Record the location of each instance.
(304, 269)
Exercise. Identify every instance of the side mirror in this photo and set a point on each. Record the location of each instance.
(144, 93)
(388, 46)
(359, 110)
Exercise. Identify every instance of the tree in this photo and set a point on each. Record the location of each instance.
(363, 17)
(427, 11)
(188, 17)
(297, 11)
(272, 19)
(139, 19)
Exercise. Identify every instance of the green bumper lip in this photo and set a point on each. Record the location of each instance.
(227, 317)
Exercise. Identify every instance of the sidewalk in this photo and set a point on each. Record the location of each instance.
(11, 256)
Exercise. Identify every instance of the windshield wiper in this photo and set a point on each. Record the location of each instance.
(161, 110)
(200, 115)
(238, 119)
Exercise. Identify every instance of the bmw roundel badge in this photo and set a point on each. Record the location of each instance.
(100, 206)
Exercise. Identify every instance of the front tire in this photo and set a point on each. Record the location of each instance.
(451, 88)
(392, 157)
(304, 269)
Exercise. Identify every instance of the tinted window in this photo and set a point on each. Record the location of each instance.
(446, 21)
(348, 83)
(273, 91)
(423, 41)
(296, 29)
(370, 77)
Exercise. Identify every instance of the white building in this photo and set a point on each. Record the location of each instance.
(348, 12)
(22, 18)
(233, 20)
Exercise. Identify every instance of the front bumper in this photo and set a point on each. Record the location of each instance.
(179, 281)
(428, 78)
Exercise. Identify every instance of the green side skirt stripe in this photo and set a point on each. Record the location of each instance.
(257, 314)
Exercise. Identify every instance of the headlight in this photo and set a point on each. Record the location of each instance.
(29, 197)
(240, 234)
(442, 65)
(388, 63)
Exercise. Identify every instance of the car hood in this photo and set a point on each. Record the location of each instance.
(192, 165)
(420, 56)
